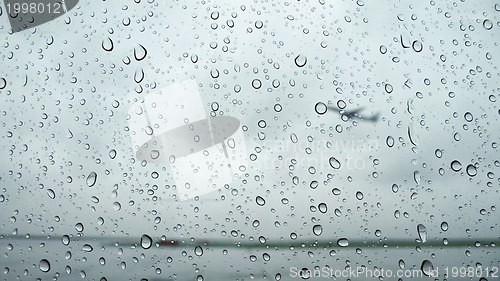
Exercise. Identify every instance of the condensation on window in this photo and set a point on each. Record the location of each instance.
(257, 140)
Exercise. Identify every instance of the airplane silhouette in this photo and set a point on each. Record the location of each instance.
(354, 114)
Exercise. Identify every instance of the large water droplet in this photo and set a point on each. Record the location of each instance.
(79, 227)
(320, 108)
(3, 83)
(343, 242)
(317, 230)
(91, 179)
(487, 24)
(322, 207)
(444, 226)
(427, 268)
(456, 165)
(198, 250)
(300, 60)
(146, 241)
(471, 170)
(422, 232)
(401, 264)
(359, 195)
(51, 193)
(389, 141)
(107, 45)
(260, 201)
(87, 248)
(334, 163)
(140, 53)
(44, 265)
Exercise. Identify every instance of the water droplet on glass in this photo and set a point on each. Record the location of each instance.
(65, 240)
(44, 265)
(140, 53)
(198, 250)
(300, 60)
(256, 84)
(334, 163)
(471, 170)
(51, 193)
(444, 226)
(456, 165)
(79, 227)
(389, 141)
(91, 179)
(422, 232)
(395, 188)
(112, 154)
(383, 49)
(107, 45)
(359, 195)
(438, 153)
(388, 88)
(343, 242)
(468, 117)
(3, 83)
(146, 241)
(320, 108)
(427, 268)
(87, 248)
(487, 24)
(260, 201)
(401, 264)
(322, 207)
(154, 154)
(317, 230)
(117, 206)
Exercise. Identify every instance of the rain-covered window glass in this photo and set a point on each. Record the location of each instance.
(249, 140)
